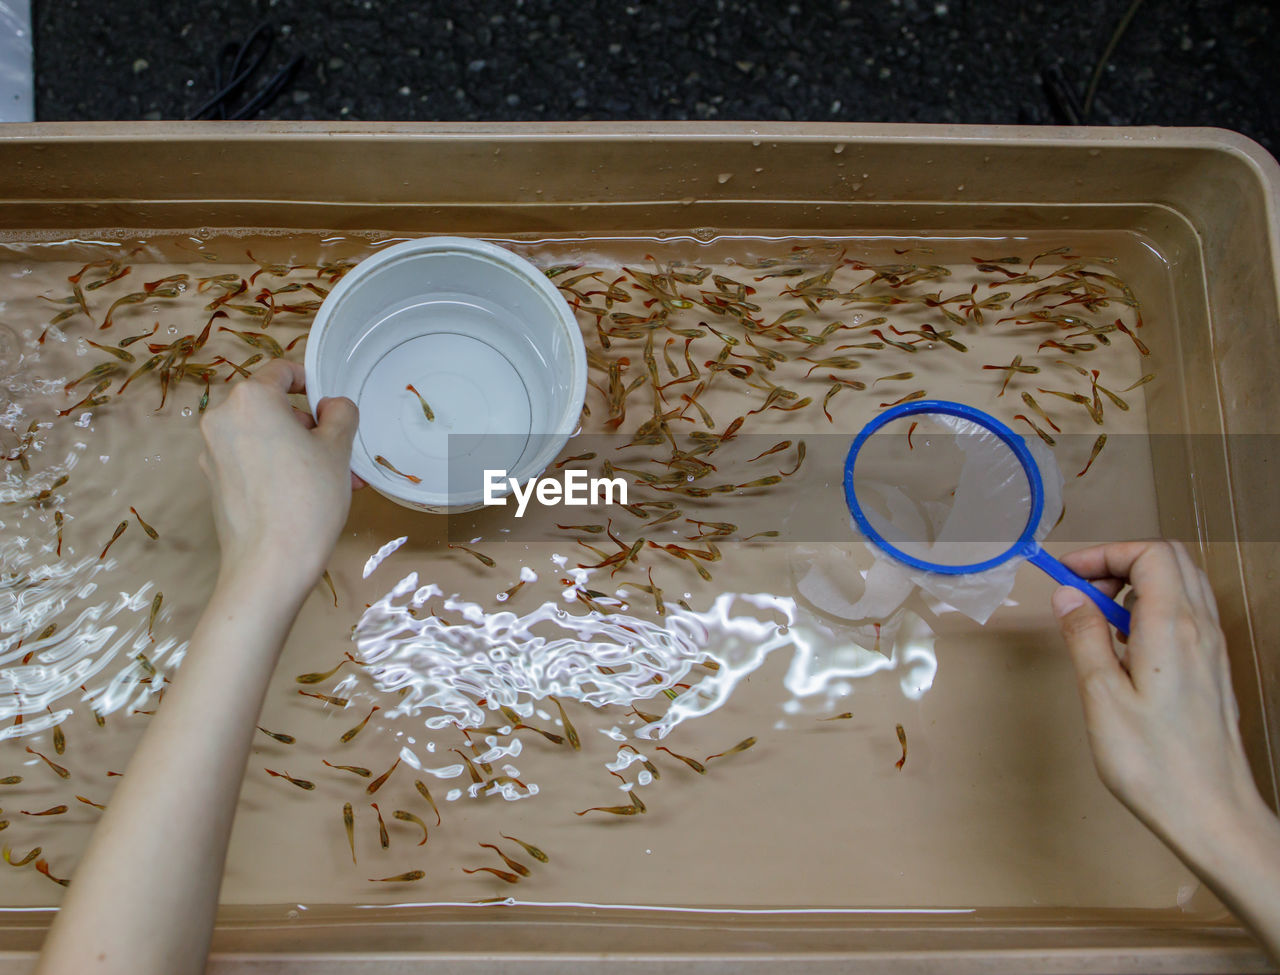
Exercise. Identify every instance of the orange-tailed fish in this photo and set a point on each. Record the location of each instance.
(426, 410)
(407, 817)
(401, 878)
(515, 865)
(300, 783)
(379, 459)
(426, 794)
(693, 763)
(381, 780)
(351, 733)
(570, 731)
(532, 850)
(120, 529)
(383, 837)
(500, 874)
(58, 769)
(741, 746)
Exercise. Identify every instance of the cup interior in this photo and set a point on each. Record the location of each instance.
(491, 350)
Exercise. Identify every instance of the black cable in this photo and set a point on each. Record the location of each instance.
(237, 66)
(1092, 89)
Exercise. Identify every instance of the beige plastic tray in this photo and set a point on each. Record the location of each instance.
(1205, 200)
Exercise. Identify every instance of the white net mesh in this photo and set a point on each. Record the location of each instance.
(951, 492)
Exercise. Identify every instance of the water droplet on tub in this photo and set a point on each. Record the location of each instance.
(724, 178)
(186, 411)
(172, 329)
(838, 149)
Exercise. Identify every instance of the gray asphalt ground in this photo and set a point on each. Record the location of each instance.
(1180, 62)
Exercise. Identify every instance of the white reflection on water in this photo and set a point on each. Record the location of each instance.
(103, 640)
(414, 648)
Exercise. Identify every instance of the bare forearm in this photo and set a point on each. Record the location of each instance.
(1237, 853)
(144, 896)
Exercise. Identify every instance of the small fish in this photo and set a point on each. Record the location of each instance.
(43, 867)
(338, 702)
(90, 802)
(918, 394)
(515, 865)
(51, 811)
(58, 770)
(1039, 410)
(1097, 449)
(8, 857)
(11, 780)
(328, 581)
(142, 370)
(351, 733)
(532, 850)
(283, 739)
(693, 763)
(349, 822)
(125, 343)
(590, 455)
(426, 410)
(116, 351)
(800, 451)
(59, 740)
(90, 400)
(780, 446)
(57, 522)
(151, 532)
(155, 611)
(407, 817)
(317, 678)
(204, 399)
(741, 746)
(120, 528)
(500, 874)
(1141, 382)
(630, 810)
(1056, 252)
(364, 773)
(401, 878)
(1040, 433)
(478, 556)
(383, 837)
(300, 783)
(839, 717)
(902, 740)
(379, 459)
(570, 731)
(264, 342)
(101, 371)
(894, 378)
(1010, 370)
(476, 777)
(426, 794)
(381, 780)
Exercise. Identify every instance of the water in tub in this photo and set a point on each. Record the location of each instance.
(587, 681)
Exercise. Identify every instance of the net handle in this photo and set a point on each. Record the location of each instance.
(1116, 614)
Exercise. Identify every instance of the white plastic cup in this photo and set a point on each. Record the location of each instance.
(483, 335)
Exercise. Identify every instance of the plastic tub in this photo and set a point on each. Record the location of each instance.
(1203, 201)
(480, 331)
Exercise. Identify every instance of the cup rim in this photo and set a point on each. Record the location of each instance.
(424, 247)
